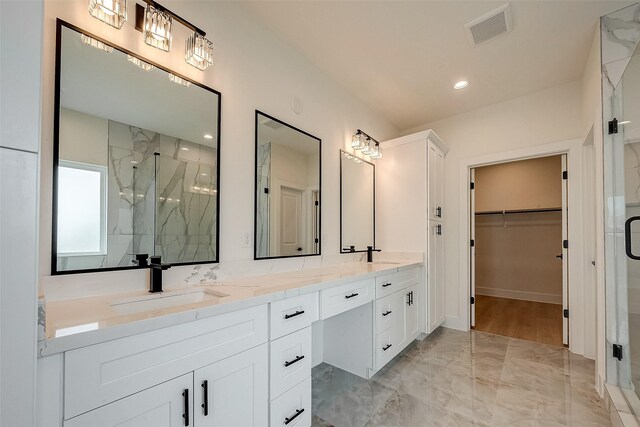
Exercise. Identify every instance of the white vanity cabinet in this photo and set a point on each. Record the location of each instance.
(396, 316)
(168, 404)
(413, 167)
(233, 391)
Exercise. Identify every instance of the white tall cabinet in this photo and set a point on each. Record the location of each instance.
(410, 213)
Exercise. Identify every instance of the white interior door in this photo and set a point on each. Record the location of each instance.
(472, 245)
(291, 221)
(565, 255)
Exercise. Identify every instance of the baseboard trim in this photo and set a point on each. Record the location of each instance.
(520, 295)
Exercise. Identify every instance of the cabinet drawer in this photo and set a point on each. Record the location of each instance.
(292, 314)
(290, 361)
(390, 283)
(345, 297)
(387, 344)
(386, 312)
(293, 408)
(101, 373)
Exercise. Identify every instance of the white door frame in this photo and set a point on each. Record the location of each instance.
(573, 149)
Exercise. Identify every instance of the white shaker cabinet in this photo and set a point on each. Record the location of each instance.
(233, 391)
(410, 213)
(168, 404)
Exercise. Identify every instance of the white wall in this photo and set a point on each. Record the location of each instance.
(20, 72)
(83, 138)
(252, 69)
(539, 118)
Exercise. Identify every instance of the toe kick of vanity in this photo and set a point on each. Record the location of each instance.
(250, 367)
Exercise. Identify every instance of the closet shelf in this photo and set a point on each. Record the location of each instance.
(519, 211)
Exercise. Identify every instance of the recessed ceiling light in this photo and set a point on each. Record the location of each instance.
(461, 84)
(208, 136)
(203, 174)
(184, 148)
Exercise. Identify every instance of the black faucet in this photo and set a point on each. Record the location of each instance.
(370, 252)
(141, 260)
(157, 267)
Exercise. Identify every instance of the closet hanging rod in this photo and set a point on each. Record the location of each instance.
(519, 211)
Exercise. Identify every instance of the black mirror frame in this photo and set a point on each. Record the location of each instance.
(255, 189)
(342, 250)
(56, 151)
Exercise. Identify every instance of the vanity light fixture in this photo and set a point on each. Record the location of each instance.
(156, 23)
(157, 28)
(140, 63)
(198, 51)
(357, 142)
(461, 84)
(111, 12)
(90, 41)
(366, 144)
(179, 80)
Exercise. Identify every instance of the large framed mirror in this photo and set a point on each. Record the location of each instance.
(357, 204)
(136, 160)
(287, 190)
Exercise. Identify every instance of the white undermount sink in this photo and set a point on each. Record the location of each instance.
(165, 300)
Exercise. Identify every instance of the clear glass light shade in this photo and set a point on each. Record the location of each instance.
(198, 52)
(180, 81)
(375, 152)
(357, 142)
(112, 12)
(90, 41)
(367, 146)
(140, 63)
(157, 28)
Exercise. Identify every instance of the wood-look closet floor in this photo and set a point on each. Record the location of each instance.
(526, 320)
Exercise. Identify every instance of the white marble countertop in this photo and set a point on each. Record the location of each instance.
(74, 323)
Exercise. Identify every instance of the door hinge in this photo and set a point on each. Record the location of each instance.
(617, 351)
(565, 313)
(317, 203)
(266, 191)
(565, 174)
(473, 300)
(317, 240)
(613, 126)
(473, 185)
(565, 244)
(473, 243)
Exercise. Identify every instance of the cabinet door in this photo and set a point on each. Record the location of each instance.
(169, 404)
(234, 391)
(411, 314)
(440, 282)
(432, 184)
(439, 185)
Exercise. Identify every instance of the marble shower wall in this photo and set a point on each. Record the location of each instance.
(262, 203)
(162, 197)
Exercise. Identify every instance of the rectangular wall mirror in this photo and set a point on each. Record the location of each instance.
(357, 203)
(136, 155)
(287, 192)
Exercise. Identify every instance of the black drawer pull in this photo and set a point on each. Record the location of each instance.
(287, 420)
(297, 313)
(205, 398)
(386, 313)
(386, 284)
(185, 415)
(291, 362)
(351, 296)
(386, 347)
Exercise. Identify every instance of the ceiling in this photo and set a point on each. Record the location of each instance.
(401, 58)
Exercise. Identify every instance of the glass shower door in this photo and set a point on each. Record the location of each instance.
(622, 240)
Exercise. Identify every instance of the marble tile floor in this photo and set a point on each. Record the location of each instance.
(455, 378)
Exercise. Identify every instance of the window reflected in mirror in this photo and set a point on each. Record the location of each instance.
(287, 197)
(357, 203)
(137, 160)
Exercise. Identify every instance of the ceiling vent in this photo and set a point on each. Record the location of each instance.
(489, 26)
